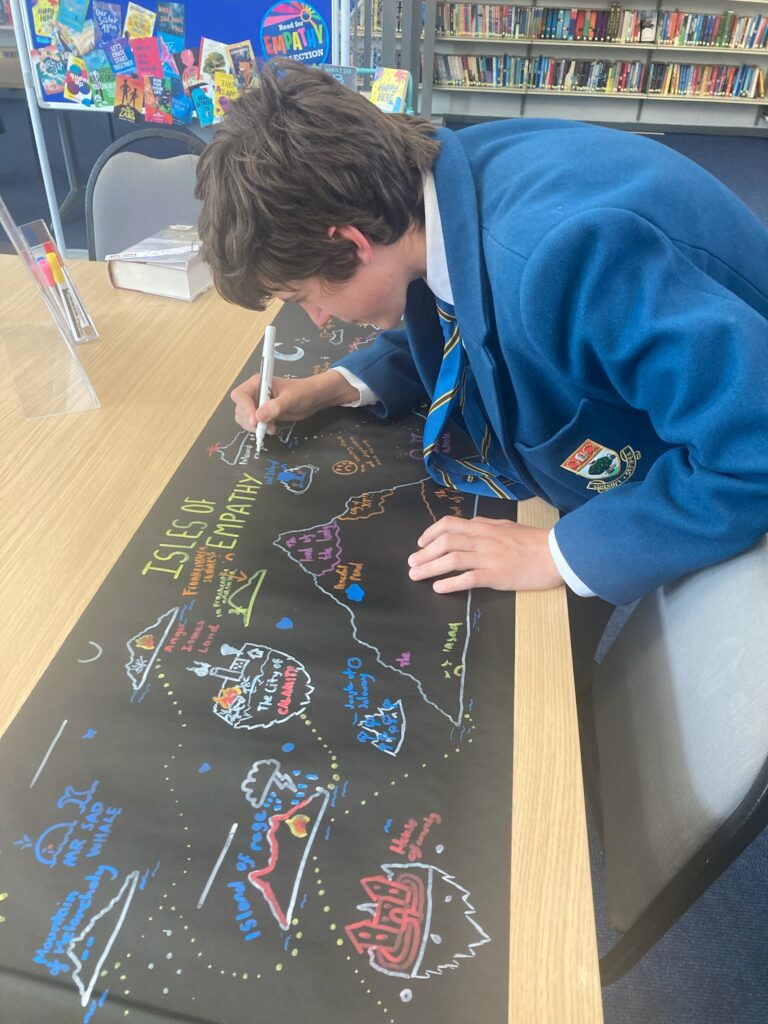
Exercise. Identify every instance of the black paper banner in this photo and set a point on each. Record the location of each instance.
(268, 777)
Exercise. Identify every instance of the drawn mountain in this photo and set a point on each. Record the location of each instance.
(359, 560)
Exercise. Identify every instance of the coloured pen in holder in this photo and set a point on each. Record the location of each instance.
(53, 274)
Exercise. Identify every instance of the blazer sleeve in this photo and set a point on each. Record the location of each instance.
(387, 367)
(624, 311)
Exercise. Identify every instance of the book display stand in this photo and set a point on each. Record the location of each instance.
(48, 375)
(75, 57)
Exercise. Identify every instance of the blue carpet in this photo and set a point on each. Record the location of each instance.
(711, 966)
(740, 162)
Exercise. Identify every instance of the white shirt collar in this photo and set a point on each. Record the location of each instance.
(437, 278)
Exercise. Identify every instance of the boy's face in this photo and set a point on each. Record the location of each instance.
(375, 294)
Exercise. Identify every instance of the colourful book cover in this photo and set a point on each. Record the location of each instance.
(139, 22)
(80, 42)
(44, 16)
(214, 57)
(171, 25)
(102, 79)
(50, 63)
(243, 64)
(129, 97)
(106, 21)
(225, 90)
(202, 97)
(77, 86)
(120, 56)
(182, 107)
(72, 14)
(169, 64)
(389, 89)
(146, 56)
(189, 68)
(157, 100)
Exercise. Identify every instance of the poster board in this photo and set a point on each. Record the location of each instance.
(289, 28)
(262, 737)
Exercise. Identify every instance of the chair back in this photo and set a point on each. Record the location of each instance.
(131, 194)
(681, 719)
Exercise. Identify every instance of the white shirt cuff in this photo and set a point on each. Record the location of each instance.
(367, 397)
(569, 576)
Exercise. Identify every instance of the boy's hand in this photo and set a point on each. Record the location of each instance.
(493, 553)
(291, 399)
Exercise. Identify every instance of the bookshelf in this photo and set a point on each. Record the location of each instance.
(668, 63)
(695, 64)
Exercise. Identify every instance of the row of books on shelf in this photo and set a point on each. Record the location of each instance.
(666, 28)
(5, 12)
(735, 81)
(729, 30)
(140, 65)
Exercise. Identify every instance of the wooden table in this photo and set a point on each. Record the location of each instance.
(68, 514)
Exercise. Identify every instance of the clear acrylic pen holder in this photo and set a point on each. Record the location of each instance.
(48, 376)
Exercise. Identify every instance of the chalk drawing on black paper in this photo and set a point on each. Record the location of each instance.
(97, 655)
(411, 908)
(144, 647)
(105, 926)
(259, 686)
(353, 555)
(242, 599)
(384, 728)
(288, 834)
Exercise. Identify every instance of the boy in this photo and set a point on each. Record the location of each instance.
(602, 330)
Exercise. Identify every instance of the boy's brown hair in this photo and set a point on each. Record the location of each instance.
(295, 156)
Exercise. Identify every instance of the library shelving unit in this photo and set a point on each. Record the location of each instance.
(661, 63)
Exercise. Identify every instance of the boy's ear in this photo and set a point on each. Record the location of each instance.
(360, 241)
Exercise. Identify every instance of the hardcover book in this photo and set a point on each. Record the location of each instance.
(146, 56)
(72, 14)
(202, 95)
(389, 90)
(157, 100)
(50, 63)
(168, 263)
(243, 64)
(129, 97)
(182, 107)
(214, 56)
(225, 90)
(171, 25)
(120, 56)
(77, 86)
(189, 68)
(44, 14)
(106, 22)
(80, 42)
(139, 21)
(102, 79)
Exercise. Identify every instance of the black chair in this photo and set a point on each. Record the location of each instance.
(141, 183)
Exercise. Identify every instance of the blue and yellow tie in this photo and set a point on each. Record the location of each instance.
(475, 474)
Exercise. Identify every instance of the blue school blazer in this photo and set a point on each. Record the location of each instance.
(613, 302)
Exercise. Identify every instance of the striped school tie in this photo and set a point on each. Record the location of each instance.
(453, 388)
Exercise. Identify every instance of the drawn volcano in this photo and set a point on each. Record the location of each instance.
(290, 837)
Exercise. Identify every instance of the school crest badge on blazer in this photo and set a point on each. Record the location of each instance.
(603, 467)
